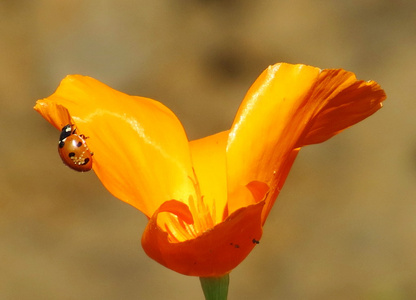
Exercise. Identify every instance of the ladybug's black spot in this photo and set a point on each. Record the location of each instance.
(71, 154)
(85, 161)
(79, 144)
(255, 241)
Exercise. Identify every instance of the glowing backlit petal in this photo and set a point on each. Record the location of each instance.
(260, 136)
(287, 107)
(137, 142)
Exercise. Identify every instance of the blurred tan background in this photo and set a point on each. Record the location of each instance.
(344, 226)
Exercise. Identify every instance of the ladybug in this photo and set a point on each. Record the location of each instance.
(74, 150)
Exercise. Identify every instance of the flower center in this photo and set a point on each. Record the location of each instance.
(179, 230)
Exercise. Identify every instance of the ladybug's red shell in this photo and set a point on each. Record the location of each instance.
(74, 150)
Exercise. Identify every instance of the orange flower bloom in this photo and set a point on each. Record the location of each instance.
(207, 199)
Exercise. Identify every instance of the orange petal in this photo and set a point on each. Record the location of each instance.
(287, 107)
(54, 113)
(208, 158)
(258, 135)
(212, 254)
(137, 142)
(338, 100)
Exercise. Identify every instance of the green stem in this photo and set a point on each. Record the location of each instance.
(215, 288)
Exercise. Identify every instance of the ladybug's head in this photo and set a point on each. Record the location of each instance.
(66, 131)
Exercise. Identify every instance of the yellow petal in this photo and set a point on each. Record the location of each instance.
(141, 151)
(208, 158)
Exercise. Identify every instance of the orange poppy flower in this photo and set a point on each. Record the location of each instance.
(208, 199)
